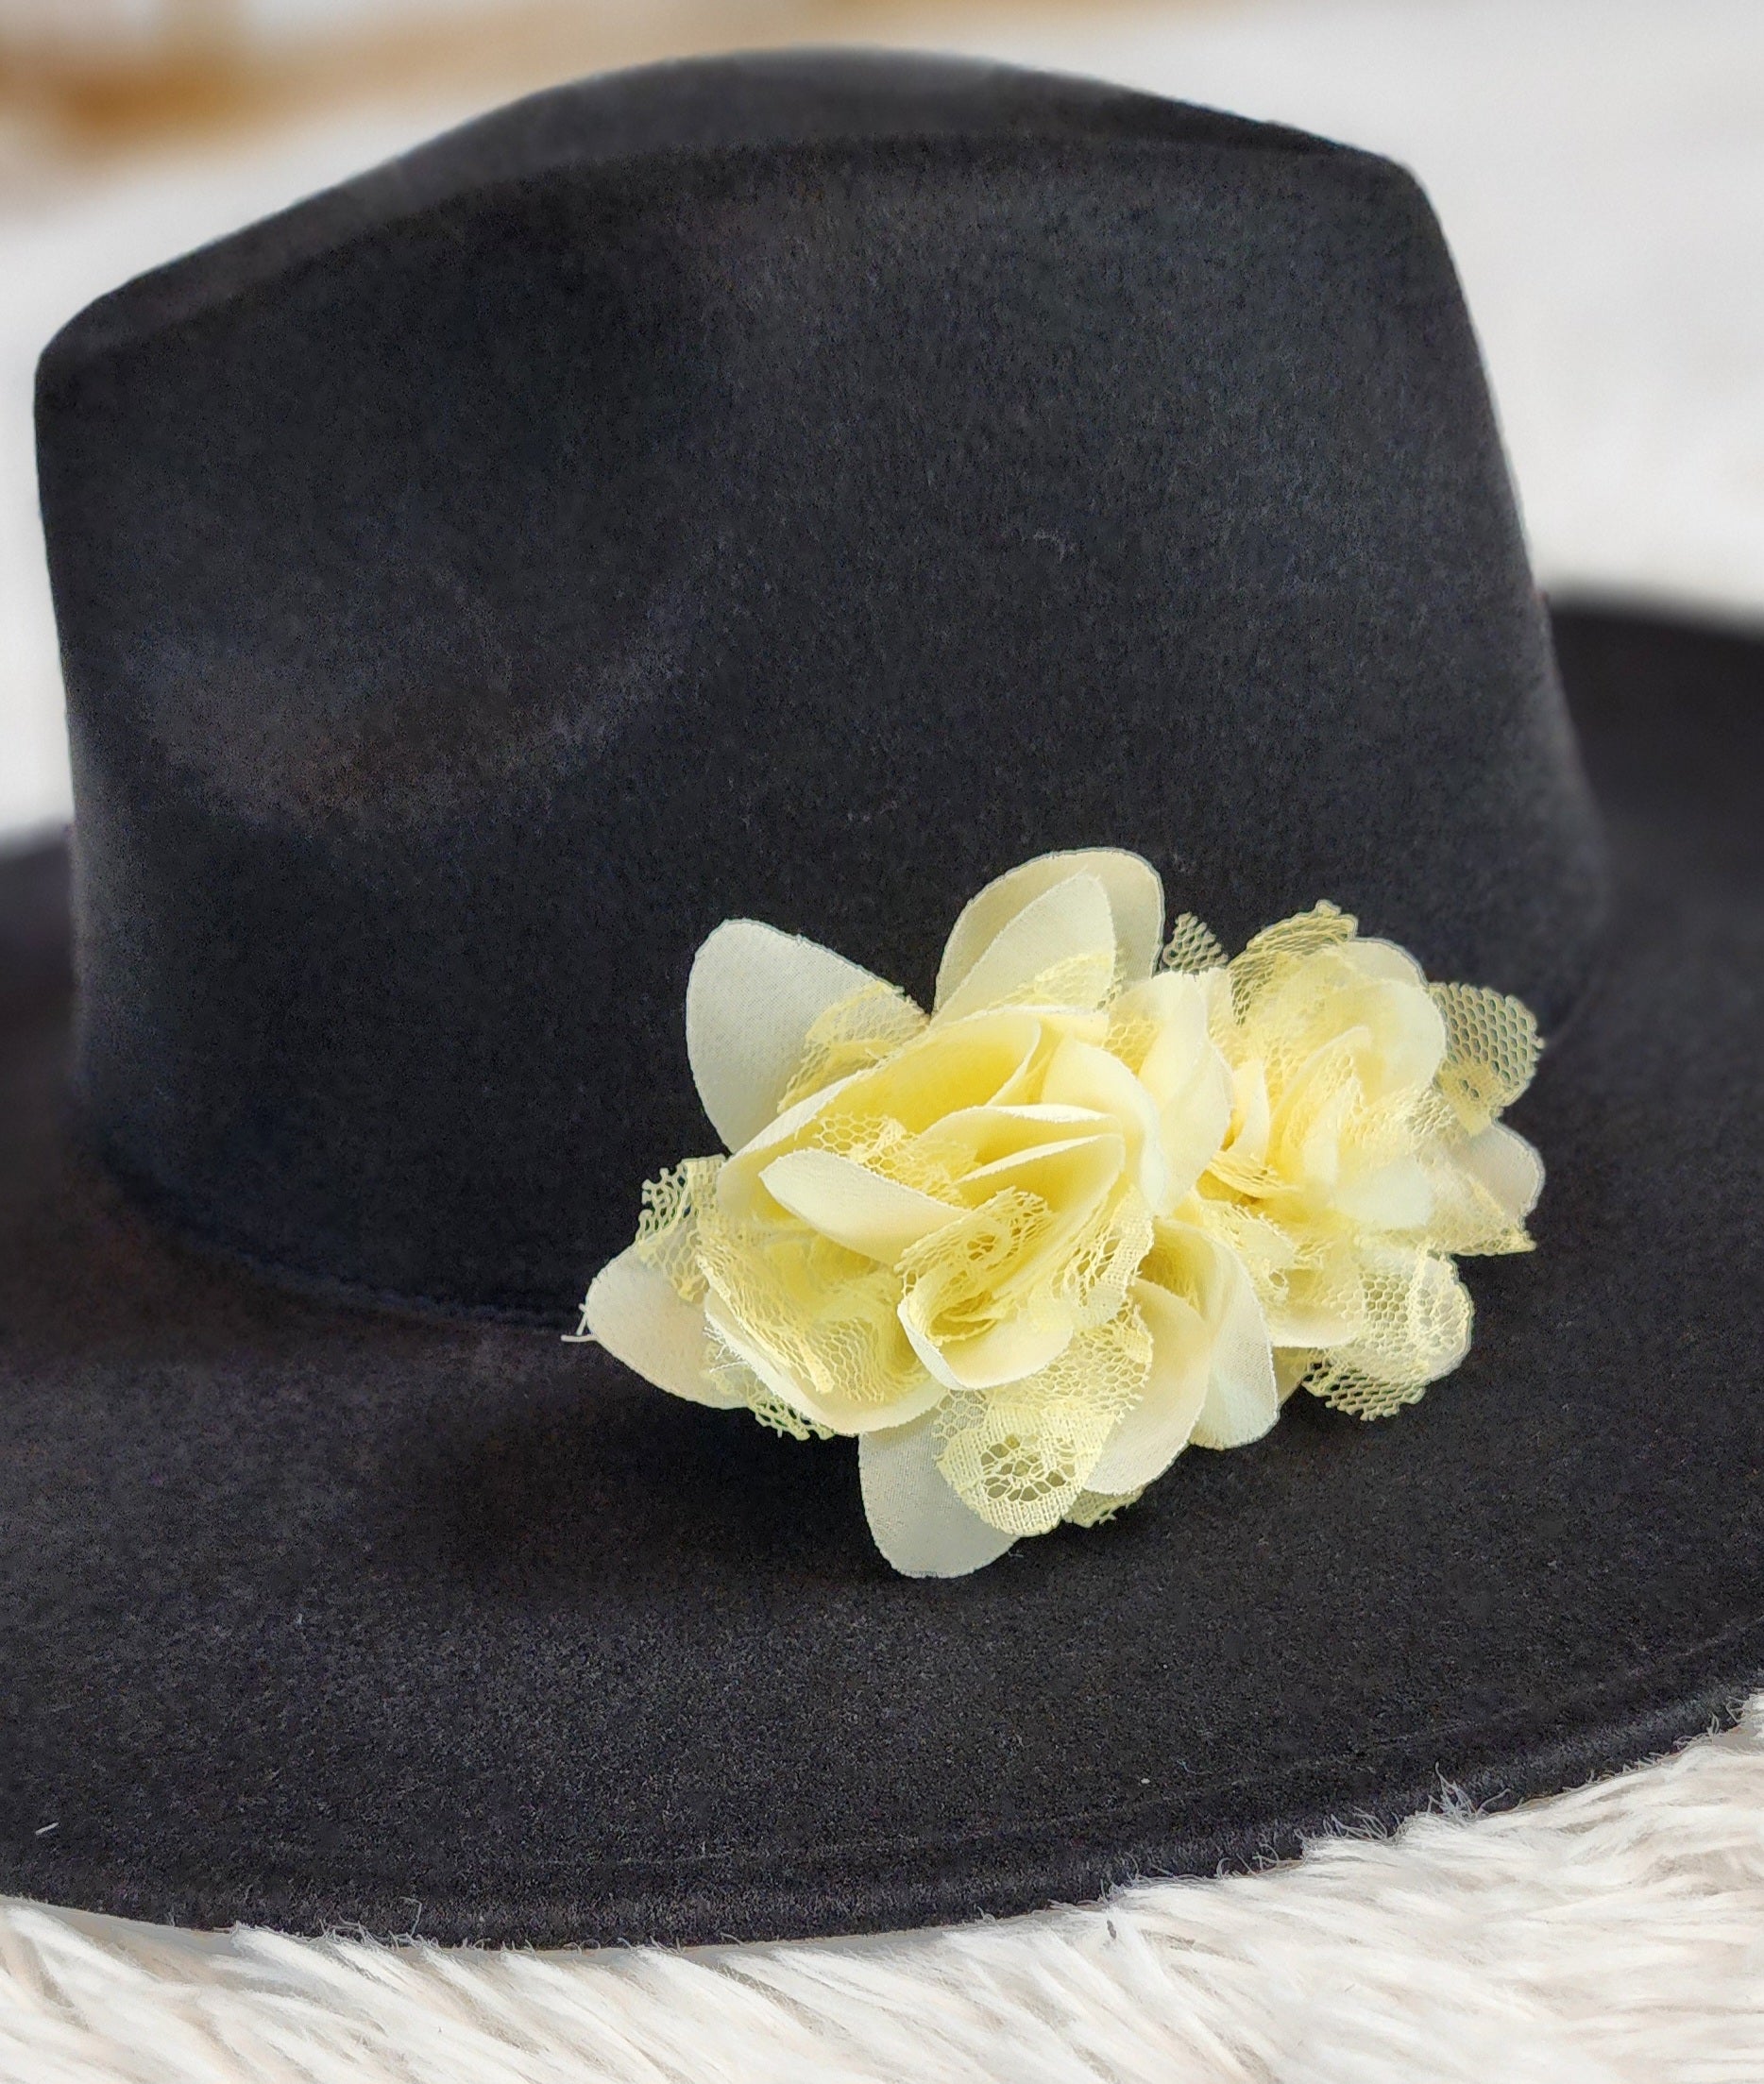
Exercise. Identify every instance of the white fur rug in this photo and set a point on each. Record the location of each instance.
(1611, 1936)
(1600, 167)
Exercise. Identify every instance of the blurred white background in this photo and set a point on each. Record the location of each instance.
(1598, 164)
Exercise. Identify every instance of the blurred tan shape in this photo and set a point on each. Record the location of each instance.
(101, 78)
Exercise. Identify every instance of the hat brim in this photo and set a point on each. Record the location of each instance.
(313, 1616)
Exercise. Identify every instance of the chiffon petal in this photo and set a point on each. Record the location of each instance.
(1083, 1076)
(1242, 1401)
(1062, 944)
(751, 997)
(1006, 1352)
(1503, 1162)
(1158, 1428)
(1131, 885)
(921, 1528)
(637, 1313)
(853, 1206)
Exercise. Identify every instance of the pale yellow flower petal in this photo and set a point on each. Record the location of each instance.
(740, 1179)
(815, 1373)
(1314, 1312)
(1291, 1366)
(1181, 1068)
(1006, 1351)
(1250, 1125)
(1507, 1167)
(985, 1060)
(750, 1000)
(1083, 1076)
(1372, 957)
(917, 1521)
(635, 1313)
(1156, 1428)
(1020, 1456)
(983, 1141)
(1067, 1160)
(1169, 1010)
(1059, 950)
(1241, 1402)
(1416, 1328)
(1135, 898)
(854, 1035)
(1492, 1050)
(856, 1208)
(1408, 1033)
(1397, 1196)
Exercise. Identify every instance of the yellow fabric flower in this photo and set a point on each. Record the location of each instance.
(1364, 1151)
(969, 1239)
(1096, 1207)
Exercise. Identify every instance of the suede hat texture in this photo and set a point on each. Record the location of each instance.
(803, 487)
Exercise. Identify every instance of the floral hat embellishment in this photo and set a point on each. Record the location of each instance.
(1112, 1198)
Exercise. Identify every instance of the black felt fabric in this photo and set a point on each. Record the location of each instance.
(800, 487)
(316, 1616)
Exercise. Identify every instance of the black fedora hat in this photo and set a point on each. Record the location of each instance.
(805, 489)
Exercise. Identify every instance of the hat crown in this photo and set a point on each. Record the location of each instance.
(799, 488)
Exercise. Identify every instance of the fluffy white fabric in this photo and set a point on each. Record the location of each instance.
(1612, 1936)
